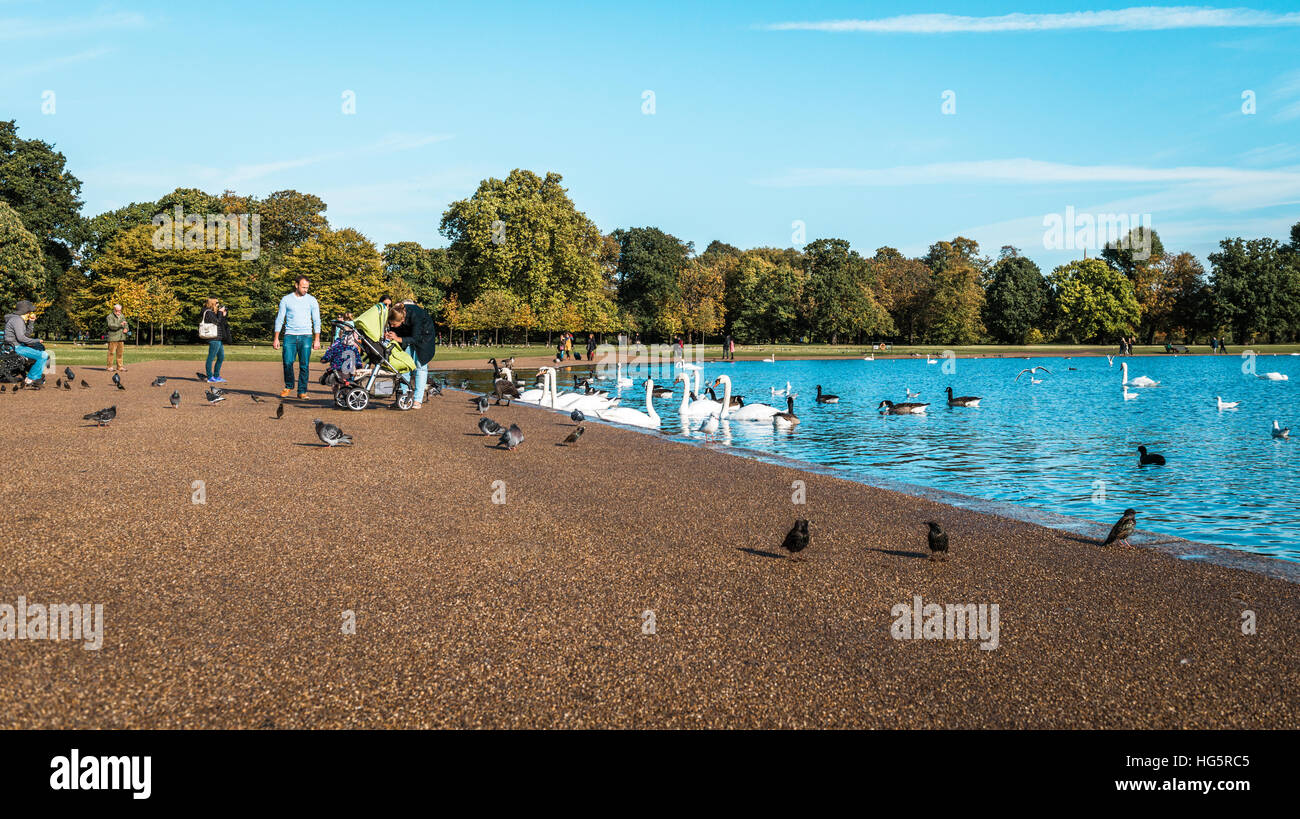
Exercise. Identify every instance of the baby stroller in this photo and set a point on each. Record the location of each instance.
(13, 367)
(385, 364)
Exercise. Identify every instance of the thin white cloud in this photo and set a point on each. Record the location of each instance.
(57, 62)
(1025, 172)
(388, 145)
(15, 28)
(1138, 18)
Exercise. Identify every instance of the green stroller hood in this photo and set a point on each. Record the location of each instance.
(372, 324)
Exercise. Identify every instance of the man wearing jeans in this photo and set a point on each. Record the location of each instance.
(15, 334)
(299, 318)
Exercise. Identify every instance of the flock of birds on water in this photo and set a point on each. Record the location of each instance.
(709, 411)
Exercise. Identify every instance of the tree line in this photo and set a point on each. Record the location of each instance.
(521, 259)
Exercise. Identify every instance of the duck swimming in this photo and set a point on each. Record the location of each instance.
(890, 408)
(826, 398)
(963, 400)
(1145, 458)
(1281, 433)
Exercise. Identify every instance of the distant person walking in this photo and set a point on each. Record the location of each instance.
(18, 336)
(591, 346)
(116, 337)
(299, 318)
(568, 345)
(214, 312)
(1214, 344)
(411, 326)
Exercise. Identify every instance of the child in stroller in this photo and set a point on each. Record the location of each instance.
(384, 362)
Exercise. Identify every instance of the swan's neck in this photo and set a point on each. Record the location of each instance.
(726, 397)
(649, 404)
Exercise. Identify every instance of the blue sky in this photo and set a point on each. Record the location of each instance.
(765, 114)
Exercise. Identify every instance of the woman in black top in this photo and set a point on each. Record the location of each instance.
(413, 328)
(215, 313)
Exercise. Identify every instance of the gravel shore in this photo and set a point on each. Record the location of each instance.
(533, 612)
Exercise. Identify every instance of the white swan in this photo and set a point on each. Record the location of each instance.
(623, 381)
(536, 395)
(749, 412)
(1273, 377)
(700, 406)
(626, 415)
(1223, 405)
(575, 400)
(1140, 381)
(1110, 361)
(770, 359)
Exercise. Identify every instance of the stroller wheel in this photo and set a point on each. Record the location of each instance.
(405, 401)
(328, 377)
(357, 398)
(340, 397)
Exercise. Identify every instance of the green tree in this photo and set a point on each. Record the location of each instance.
(650, 264)
(523, 235)
(425, 272)
(1256, 287)
(956, 301)
(838, 293)
(345, 269)
(22, 270)
(903, 287)
(1094, 301)
(1016, 301)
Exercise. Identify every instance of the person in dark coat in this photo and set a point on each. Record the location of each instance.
(411, 326)
(215, 313)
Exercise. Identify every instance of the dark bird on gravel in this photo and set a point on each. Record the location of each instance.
(482, 403)
(256, 399)
(330, 435)
(464, 384)
(505, 390)
(67, 385)
(58, 383)
(175, 399)
(214, 395)
(69, 374)
(432, 389)
(577, 417)
(84, 385)
(575, 435)
(159, 381)
(796, 540)
(1145, 458)
(201, 376)
(1123, 528)
(279, 411)
(962, 400)
(117, 381)
(512, 437)
(938, 541)
(101, 417)
(489, 427)
(3, 387)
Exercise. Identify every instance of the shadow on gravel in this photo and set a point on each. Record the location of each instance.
(759, 552)
(900, 553)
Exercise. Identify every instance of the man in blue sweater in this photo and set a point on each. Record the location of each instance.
(299, 318)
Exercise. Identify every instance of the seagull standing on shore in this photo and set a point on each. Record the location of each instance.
(1123, 528)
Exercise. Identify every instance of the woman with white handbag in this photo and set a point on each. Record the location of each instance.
(214, 330)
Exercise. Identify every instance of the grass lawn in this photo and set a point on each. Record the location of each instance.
(96, 354)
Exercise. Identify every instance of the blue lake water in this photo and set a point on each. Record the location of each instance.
(1067, 445)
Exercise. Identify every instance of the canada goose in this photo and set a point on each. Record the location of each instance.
(962, 400)
(787, 418)
(826, 398)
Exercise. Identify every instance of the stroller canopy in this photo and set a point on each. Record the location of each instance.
(371, 325)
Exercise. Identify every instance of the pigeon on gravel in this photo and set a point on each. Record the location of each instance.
(159, 381)
(84, 385)
(575, 435)
(796, 540)
(432, 389)
(101, 417)
(512, 437)
(1123, 528)
(214, 395)
(69, 374)
(117, 381)
(58, 383)
(577, 417)
(489, 427)
(329, 434)
(201, 376)
(279, 411)
(938, 539)
(67, 385)
(175, 399)
(482, 402)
